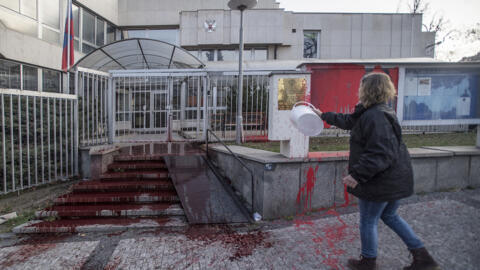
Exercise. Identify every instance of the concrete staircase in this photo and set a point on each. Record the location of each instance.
(135, 192)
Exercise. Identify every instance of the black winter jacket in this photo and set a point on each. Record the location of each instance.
(379, 160)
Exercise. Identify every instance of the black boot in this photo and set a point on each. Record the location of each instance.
(363, 264)
(422, 260)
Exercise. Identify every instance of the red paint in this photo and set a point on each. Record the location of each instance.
(256, 138)
(25, 252)
(305, 192)
(243, 243)
(334, 87)
(345, 196)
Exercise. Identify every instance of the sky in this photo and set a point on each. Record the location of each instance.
(461, 14)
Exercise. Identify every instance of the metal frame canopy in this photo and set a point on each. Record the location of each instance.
(139, 53)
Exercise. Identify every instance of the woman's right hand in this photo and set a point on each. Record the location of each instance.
(317, 111)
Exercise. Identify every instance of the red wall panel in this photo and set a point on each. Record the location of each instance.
(334, 87)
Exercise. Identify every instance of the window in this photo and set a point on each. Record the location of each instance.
(50, 13)
(30, 78)
(9, 74)
(11, 4)
(100, 32)
(87, 48)
(206, 55)
(227, 55)
(29, 8)
(260, 54)
(51, 81)
(76, 22)
(166, 35)
(311, 42)
(88, 27)
(110, 33)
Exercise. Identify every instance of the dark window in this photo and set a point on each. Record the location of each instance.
(88, 27)
(207, 55)
(100, 32)
(30, 78)
(87, 48)
(310, 44)
(110, 33)
(9, 74)
(51, 81)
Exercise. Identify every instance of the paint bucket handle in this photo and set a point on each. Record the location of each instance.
(304, 103)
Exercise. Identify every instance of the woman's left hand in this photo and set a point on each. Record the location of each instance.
(350, 181)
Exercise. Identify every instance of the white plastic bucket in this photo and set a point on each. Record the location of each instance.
(305, 119)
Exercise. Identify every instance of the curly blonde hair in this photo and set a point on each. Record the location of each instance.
(376, 88)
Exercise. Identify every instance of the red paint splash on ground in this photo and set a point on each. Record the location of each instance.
(25, 252)
(306, 191)
(243, 243)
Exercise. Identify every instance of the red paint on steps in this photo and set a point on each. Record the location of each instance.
(123, 185)
(117, 197)
(136, 174)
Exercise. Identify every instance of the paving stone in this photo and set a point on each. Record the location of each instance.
(46, 255)
(450, 230)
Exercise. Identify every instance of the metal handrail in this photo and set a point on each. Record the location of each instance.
(237, 158)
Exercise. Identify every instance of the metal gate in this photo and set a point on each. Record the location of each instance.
(157, 106)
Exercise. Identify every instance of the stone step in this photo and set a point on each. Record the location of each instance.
(85, 225)
(139, 157)
(136, 165)
(137, 185)
(116, 210)
(118, 197)
(151, 174)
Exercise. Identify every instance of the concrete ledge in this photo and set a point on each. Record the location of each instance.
(426, 152)
(285, 187)
(457, 150)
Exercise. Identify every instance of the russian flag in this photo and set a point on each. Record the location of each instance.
(68, 40)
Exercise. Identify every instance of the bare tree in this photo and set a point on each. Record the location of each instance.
(438, 23)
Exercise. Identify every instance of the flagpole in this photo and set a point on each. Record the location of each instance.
(69, 5)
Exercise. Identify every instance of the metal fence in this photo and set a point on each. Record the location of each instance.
(92, 89)
(222, 105)
(37, 138)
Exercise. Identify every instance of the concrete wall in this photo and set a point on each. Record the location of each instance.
(285, 187)
(358, 35)
(166, 12)
(25, 48)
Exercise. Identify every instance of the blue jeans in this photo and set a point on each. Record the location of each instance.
(370, 212)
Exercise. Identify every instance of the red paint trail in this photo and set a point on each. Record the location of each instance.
(306, 190)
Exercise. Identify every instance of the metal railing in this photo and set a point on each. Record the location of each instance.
(222, 105)
(92, 90)
(252, 183)
(37, 138)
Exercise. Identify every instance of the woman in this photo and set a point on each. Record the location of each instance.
(380, 171)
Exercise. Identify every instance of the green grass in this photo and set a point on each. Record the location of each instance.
(22, 218)
(411, 140)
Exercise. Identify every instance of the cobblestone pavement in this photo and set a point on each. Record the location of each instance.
(448, 223)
